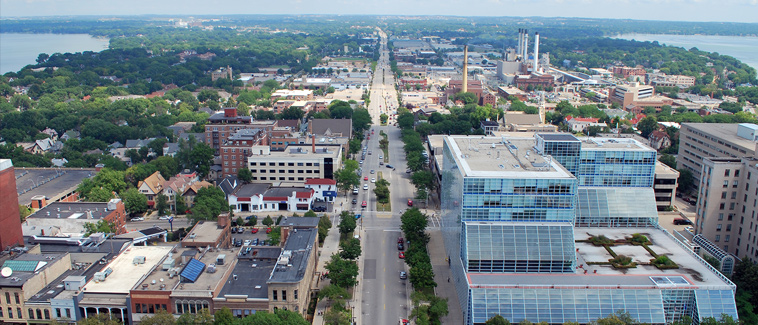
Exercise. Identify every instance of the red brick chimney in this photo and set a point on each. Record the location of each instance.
(230, 112)
(313, 143)
(223, 220)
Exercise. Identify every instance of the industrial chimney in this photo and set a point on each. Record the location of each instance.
(465, 68)
(520, 41)
(525, 48)
(536, 67)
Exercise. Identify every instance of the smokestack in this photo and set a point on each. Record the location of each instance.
(465, 68)
(313, 144)
(525, 49)
(520, 41)
(536, 67)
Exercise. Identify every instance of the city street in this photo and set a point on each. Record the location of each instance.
(384, 296)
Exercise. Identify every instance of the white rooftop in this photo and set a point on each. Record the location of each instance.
(125, 273)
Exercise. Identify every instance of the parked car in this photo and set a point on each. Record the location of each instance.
(268, 230)
(400, 246)
(410, 203)
(137, 219)
(403, 275)
(365, 178)
(381, 156)
(247, 242)
(255, 230)
(364, 204)
(682, 221)
(164, 217)
(355, 190)
(372, 171)
(234, 230)
(373, 180)
(401, 255)
(355, 201)
(400, 240)
(255, 242)
(365, 186)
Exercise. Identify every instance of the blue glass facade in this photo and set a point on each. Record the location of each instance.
(518, 199)
(617, 168)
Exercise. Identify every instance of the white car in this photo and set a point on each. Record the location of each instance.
(137, 219)
(365, 186)
(381, 157)
(373, 180)
(164, 217)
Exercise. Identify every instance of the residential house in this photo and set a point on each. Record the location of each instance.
(151, 187)
(659, 140)
(580, 124)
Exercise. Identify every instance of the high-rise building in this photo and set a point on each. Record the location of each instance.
(10, 233)
(702, 140)
(727, 205)
(519, 229)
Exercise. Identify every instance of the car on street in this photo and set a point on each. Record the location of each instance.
(355, 190)
(164, 217)
(400, 246)
(373, 180)
(407, 171)
(410, 203)
(319, 208)
(268, 230)
(355, 201)
(381, 157)
(361, 162)
(364, 204)
(255, 230)
(372, 171)
(389, 166)
(365, 186)
(401, 255)
(381, 163)
(403, 275)
(369, 152)
(365, 178)
(400, 240)
(137, 219)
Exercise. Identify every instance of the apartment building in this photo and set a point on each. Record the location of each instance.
(297, 164)
(238, 147)
(703, 140)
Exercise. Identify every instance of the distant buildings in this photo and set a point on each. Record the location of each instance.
(222, 73)
(69, 218)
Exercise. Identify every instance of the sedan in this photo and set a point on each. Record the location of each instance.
(401, 255)
(255, 230)
(365, 178)
(137, 219)
(268, 230)
(372, 171)
(164, 217)
(403, 275)
(381, 157)
(355, 201)
(373, 180)
(365, 186)
(364, 204)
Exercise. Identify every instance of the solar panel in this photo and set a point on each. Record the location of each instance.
(23, 266)
(192, 271)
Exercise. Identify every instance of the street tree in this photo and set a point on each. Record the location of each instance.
(347, 222)
(647, 125)
(346, 179)
(268, 221)
(361, 120)
(102, 225)
(350, 249)
(161, 204)
(245, 175)
(342, 272)
(134, 201)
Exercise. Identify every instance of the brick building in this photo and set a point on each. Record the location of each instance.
(10, 232)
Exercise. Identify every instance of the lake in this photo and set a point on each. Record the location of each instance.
(19, 50)
(743, 48)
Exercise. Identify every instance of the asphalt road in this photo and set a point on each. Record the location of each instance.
(384, 296)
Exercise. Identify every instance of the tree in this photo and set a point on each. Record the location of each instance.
(497, 320)
(161, 317)
(134, 201)
(466, 98)
(361, 120)
(209, 203)
(347, 222)
(310, 214)
(223, 317)
(342, 272)
(24, 211)
(239, 221)
(102, 225)
(423, 179)
(647, 125)
(347, 179)
(668, 160)
(324, 224)
(334, 293)
(101, 187)
(180, 207)
(422, 276)
(337, 316)
(268, 221)
(350, 249)
(245, 175)
(413, 221)
(686, 181)
(161, 204)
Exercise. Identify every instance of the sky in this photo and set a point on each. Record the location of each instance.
(669, 10)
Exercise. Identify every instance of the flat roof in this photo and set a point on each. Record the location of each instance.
(308, 222)
(299, 245)
(627, 144)
(73, 211)
(251, 280)
(664, 170)
(205, 281)
(726, 132)
(34, 263)
(696, 272)
(503, 157)
(557, 137)
(204, 231)
(125, 273)
(50, 182)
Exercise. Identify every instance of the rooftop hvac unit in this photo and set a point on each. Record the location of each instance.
(211, 269)
(138, 260)
(221, 259)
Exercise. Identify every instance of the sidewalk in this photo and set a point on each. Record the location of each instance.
(442, 274)
(332, 246)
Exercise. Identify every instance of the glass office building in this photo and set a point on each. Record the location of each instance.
(516, 224)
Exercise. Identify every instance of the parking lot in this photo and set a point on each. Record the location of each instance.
(247, 234)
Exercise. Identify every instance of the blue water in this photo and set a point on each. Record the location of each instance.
(743, 48)
(19, 50)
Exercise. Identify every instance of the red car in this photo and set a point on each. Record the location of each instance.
(410, 203)
(364, 204)
(268, 230)
(401, 255)
(365, 178)
(255, 230)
